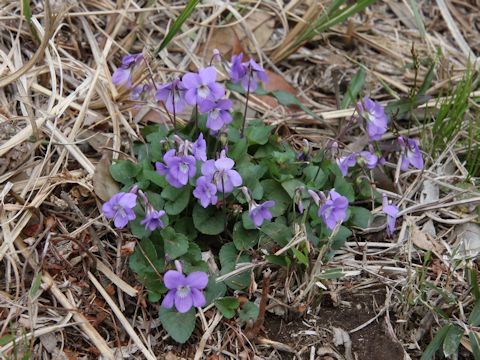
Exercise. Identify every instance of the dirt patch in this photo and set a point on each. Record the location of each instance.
(371, 342)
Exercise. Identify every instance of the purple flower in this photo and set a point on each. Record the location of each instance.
(124, 73)
(202, 86)
(334, 210)
(120, 208)
(140, 92)
(260, 212)
(218, 115)
(184, 291)
(152, 219)
(220, 173)
(346, 162)
(375, 116)
(177, 169)
(368, 159)
(411, 154)
(249, 73)
(173, 95)
(199, 148)
(205, 192)
(392, 213)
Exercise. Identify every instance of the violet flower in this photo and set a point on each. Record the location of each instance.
(249, 73)
(199, 148)
(411, 154)
(140, 92)
(346, 162)
(152, 219)
(173, 95)
(368, 159)
(124, 73)
(375, 116)
(221, 173)
(334, 210)
(184, 291)
(202, 86)
(218, 115)
(120, 208)
(205, 192)
(392, 214)
(177, 169)
(260, 212)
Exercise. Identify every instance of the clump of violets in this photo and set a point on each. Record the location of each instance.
(221, 173)
(124, 73)
(375, 117)
(248, 73)
(177, 168)
(392, 213)
(411, 154)
(184, 291)
(120, 208)
(332, 209)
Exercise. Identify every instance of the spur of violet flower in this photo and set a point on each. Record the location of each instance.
(334, 210)
(205, 192)
(172, 95)
(260, 212)
(221, 173)
(217, 113)
(392, 213)
(199, 148)
(120, 208)
(177, 169)
(411, 154)
(376, 119)
(124, 73)
(184, 291)
(202, 86)
(249, 73)
(152, 219)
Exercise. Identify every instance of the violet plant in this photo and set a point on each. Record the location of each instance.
(231, 186)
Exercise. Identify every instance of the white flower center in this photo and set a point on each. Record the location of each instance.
(184, 168)
(215, 113)
(183, 290)
(203, 91)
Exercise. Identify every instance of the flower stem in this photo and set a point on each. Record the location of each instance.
(246, 102)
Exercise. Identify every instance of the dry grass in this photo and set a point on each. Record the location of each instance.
(64, 269)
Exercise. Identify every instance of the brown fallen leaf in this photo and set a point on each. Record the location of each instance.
(424, 241)
(103, 184)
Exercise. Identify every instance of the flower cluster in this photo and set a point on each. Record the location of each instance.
(332, 209)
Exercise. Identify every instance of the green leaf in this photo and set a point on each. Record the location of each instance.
(353, 89)
(315, 177)
(343, 187)
(175, 244)
(244, 239)
(272, 190)
(177, 199)
(291, 186)
(258, 133)
(328, 274)
(227, 306)
(37, 281)
(279, 233)
(214, 290)
(177, 24)
(249, 311)
(300, 256)
(139, 264)
(209, 221)
(4, 340)
(280, 260)
(475, 343)
(360, 217)
(124, 171)
(155, 177)
(474, 318)
(287, 99)
(185, 226)
(436, 343)
(229, 257)
(238, 150)
(179, 326)
(452, 340)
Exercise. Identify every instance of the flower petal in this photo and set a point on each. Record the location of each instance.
(183, 304)
(169, 299)
(172, 279)
(197, 279)
(198, 298)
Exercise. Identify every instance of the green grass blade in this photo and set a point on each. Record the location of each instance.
(436, 343)
(353, 89)
(27, 12)
(418, 18)
(192, 4)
